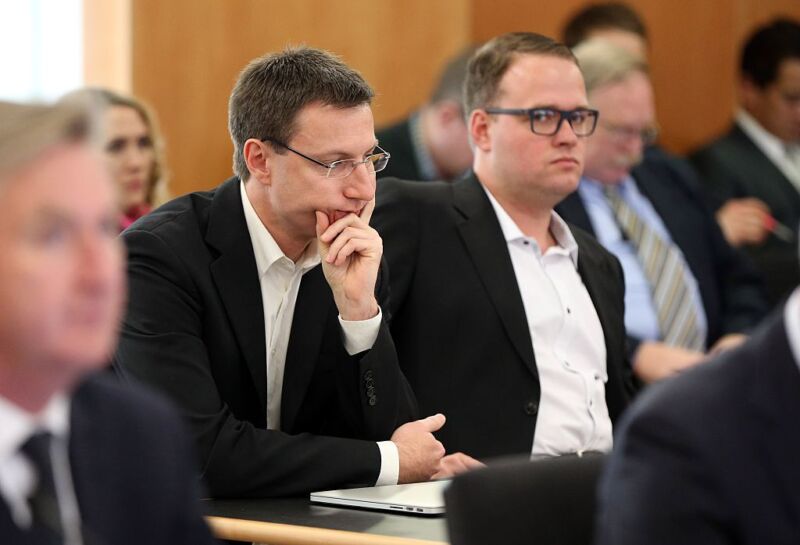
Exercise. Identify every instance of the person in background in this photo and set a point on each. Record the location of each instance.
(615, 22)
(752, 173)
(710, 457)
(432, 144)
(83, 459)
(686, 290)
(133, 149)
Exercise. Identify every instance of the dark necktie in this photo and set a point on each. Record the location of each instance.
(666, 272)
(46, 528)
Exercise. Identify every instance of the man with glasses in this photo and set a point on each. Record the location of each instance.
(686, 290)
(504, 317)
(257, 306)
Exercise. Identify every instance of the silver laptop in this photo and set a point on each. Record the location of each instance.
(416, 498)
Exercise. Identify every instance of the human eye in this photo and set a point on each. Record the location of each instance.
(341, 168)
(145, 142)
(115, 146)
(49, 233)
(543, 115)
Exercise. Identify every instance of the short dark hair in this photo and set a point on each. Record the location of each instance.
(272, 89)
(766, 48)
(451, 80)
(603, 16)
(489, 64)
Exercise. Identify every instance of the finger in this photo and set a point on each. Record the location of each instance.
(346, 235)
(361, 246)
(322, 222)
(334, 229)
(433, 422)
(366, 213)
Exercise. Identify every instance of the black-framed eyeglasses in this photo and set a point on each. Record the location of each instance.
(647, 135)
(375, 162)
(547, 121)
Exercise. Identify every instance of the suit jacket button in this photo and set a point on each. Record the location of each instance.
(531, 408)
(372, 400)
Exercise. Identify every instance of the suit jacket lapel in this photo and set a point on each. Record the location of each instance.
(311, 316)
(235, 274)
(487, 247)
(572, 209)
(752, 163)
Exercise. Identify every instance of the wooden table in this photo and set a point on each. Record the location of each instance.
(296, 521)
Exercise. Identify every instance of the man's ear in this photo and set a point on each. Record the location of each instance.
(749, 93)
(257, 155)
(479, 130)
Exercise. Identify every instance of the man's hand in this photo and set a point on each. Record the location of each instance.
(351, 254)
(420, 452)
(744, 221)
(727, 342)
(654, 360)
(456, 463)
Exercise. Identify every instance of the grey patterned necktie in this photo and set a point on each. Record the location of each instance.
(666, 272)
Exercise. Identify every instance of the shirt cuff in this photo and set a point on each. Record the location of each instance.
(390, 464)
(360, 335)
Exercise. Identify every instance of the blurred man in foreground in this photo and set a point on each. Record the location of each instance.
(82, 459)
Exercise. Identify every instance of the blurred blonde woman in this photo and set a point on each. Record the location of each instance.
(133, 150)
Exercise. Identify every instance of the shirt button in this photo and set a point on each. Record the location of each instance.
(531, 408)
(569, 311)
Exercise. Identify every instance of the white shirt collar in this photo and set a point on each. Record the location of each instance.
(770, 144)
(18, 424)
(265, 248)
(558, 228)
(791, 316)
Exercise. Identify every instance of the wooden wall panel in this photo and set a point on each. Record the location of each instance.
(694, 49)
(187, 54)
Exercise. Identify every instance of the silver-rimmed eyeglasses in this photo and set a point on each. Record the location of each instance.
(374, 162)
(547, 121)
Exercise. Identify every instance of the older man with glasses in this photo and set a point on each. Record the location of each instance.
(257, 306)
(506, 318)
(686, 290)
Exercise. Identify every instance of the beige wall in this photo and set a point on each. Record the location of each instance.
(187, 54)
(183, 56)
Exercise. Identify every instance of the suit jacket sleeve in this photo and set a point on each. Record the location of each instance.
(658, 487)
(164, 343)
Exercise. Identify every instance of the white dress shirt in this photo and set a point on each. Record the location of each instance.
(783, 155)
(568, 341)
(280, 279)
(791, 317)
(18, 475)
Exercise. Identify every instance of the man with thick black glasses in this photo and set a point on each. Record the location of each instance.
(504, 316)
(257, 306)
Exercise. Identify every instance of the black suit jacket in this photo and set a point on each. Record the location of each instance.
(458, 319)
(731, 291)
(396, 139)
(733, 167)
(711, 456)
(195, 330)
(132, 470)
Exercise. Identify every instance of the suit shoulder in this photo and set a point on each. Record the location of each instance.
(394, 191)
(104, 396)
